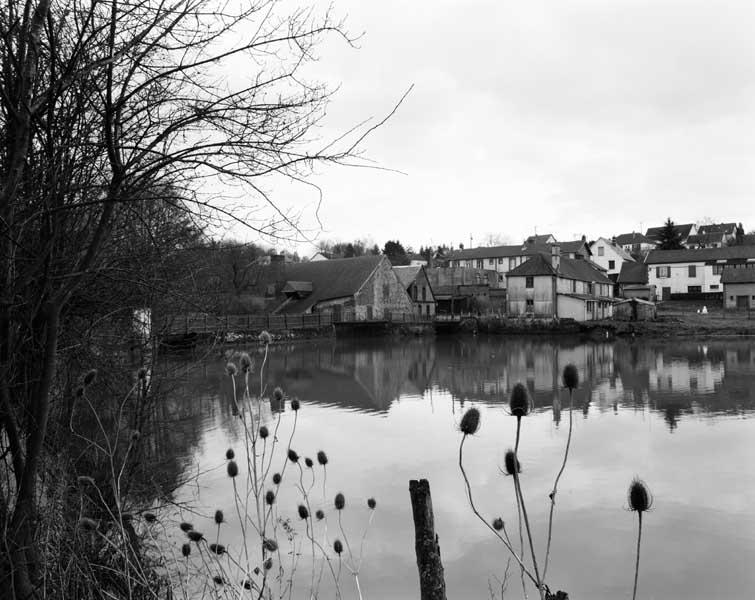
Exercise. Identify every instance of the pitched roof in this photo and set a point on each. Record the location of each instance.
(706, 238)
(616, 248)
(729, 228)
(539, 239)
(336, 278)
(486, 252)
(570, 268)
(633, 272)
(406, 275)
(655, 257)
(625, 239)
(734, 275)
(683, 230)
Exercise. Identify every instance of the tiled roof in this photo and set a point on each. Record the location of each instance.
(632, 238)
(486, 252)
(336, 278)
(539, 239)
(656, 257)
(570, 268)
(406, 275)
(655, 232)
(734, 275)
(705, 238)
(719, 228)
(633, 272)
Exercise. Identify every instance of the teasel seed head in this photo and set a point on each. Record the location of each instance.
(268, 564)
(512, 463)
(233, 468)
(149, 517)
(295, 404)
(319, 514)
(231, 369)
(245, 362)
(322, 458)
(186, 527)
(247, 584)
(277, 478)
(186, 549)
(270, 545)
(292, 455)
(217, 548)
(308, 462)
(90, 377)
(519, 404)
(230, 454)
(470, 422)
(270, 497)
(87, 524)
(340, 501)
(218, 516)
(141, 374)
(338, 546)
(218, 580)
(303, 512)
(194, 536)
(371, 503)
(265, 338)
(571, 377)
(498, 523)
(638, 495)
(278, 394)
(264, 432)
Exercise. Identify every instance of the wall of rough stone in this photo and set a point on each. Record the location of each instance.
(383, 291)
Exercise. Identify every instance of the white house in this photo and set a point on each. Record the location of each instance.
(609, 256)
(635, 243)
(695, 271)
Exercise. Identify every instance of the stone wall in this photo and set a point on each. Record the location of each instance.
(382, 291)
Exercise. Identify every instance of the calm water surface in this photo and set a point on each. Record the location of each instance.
(678, 414)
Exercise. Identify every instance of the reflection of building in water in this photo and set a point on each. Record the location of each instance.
(681, 376)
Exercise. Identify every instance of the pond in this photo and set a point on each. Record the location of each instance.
(681, 415)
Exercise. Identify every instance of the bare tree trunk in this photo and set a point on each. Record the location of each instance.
(432, 585)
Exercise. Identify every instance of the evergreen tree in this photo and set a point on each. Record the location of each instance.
(670, 237)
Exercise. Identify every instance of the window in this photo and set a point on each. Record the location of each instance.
(386, 292)
(512, 263)
(589, 288)
(500, 260)
(424, 293)
(694, 289)
(427, 310)
(601, 250)
(692, 271)
(479, 263)
(573, 286)
(714, 287)
(661, 272)
(530, 305)
(718, 269)
(590, 306)
(491, 261)
(414, 293)
(611, 264)
(529, 282)
(500, 277)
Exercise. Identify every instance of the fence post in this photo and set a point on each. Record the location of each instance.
(432, 585)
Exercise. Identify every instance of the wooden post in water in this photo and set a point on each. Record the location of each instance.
(432, 585)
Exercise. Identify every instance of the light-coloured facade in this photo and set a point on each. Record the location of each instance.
(559, 287)
(609, 256)
(695, 271)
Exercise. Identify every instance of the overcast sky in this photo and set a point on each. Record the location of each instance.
(569, 117)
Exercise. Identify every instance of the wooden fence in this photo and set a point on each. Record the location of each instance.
(206, 324)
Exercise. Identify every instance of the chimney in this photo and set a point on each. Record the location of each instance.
(556, 256)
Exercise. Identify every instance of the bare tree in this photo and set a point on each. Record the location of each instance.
(107, 107)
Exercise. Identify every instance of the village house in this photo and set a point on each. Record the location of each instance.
(713, 236)
(417, 285)
(553, 286)
(636, 244)
(610, 256)
(459, 290)
(738, 288)
(683, 231)
(695, 273)
(366, 287)
(503, 259)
